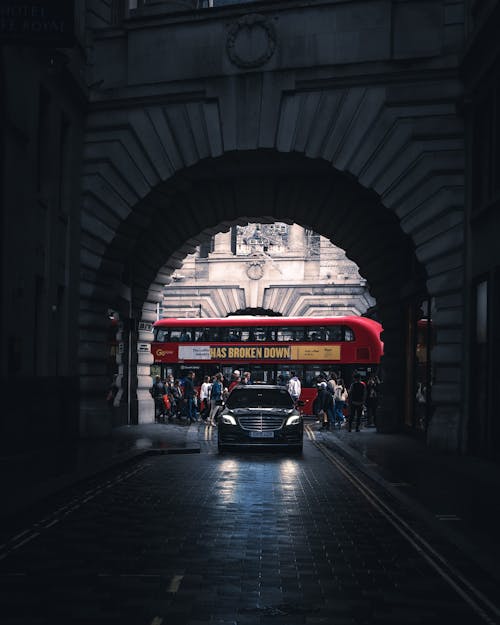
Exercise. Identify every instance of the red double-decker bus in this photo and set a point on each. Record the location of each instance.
(270, 348)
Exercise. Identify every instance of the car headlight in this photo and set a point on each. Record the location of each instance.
(293, 420)
(228, 419)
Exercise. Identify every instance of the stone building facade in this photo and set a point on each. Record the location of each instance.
(275, 269)
(481, 111)
(181, 122)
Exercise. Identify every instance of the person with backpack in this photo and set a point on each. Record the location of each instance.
(356, 401)
(340, 398)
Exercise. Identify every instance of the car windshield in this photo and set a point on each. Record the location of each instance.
(259, 398)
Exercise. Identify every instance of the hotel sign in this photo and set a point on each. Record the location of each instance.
(38, 22)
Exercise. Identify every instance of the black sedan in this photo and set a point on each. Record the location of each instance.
(260, 415)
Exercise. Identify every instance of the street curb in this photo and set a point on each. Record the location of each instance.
(459, 540)
(174, 450)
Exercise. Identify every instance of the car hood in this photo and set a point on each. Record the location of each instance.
(263, 410)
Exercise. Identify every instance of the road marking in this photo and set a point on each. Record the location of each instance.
(448, 517)
(311, 434)
(175, 582)
(61, 513)
(487, 610)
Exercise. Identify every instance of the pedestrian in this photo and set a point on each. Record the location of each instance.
(323, 405)
(330, 387)
(332, 383)
(356, 401)
(178, 398)
(340, 398)
(372, 391)
(246, 378)
(294, 387)
(235, 380)
(205, 398)
(112, 392)
(169, 384)
(215, 396)
(189, 397)
(157, 391)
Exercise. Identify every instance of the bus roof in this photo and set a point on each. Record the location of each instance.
(246, 321)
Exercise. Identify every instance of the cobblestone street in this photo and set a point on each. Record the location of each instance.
(239, 538)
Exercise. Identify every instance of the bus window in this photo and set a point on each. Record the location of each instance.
(179, 334)
(245, 334)
(263, 334)
(161, 335)
(175, 335)
(317, 333)
(234, 334)
(335, 333)
(285, 334)
(218, 334)
(185, 335)
(348, 334)
(300, 334)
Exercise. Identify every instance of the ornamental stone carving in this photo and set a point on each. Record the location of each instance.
(255, 271)
(251, 41)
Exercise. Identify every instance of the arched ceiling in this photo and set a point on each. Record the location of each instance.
(265, 186)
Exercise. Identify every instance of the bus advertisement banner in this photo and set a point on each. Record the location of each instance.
(219, 353)
(316, 352)
(194, 352)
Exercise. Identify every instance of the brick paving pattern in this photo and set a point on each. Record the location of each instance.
(236, 539)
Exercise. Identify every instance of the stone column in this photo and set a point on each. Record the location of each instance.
(296, 238)
(222, 244)
(145, 404)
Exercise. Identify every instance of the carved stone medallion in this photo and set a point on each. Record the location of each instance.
(251, 41)
(255, 271)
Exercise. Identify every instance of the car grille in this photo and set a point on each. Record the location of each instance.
(260, 422)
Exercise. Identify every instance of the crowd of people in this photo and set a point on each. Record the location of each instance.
(335, 404)
(179, 399)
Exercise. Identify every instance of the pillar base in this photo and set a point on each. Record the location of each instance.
(146, 411)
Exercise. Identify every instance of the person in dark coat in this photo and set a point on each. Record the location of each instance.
(157, 391)
(323, 406)
(189, 395)
(356, 400)
(372, 389)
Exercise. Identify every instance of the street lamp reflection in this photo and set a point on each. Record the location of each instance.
(228, 481)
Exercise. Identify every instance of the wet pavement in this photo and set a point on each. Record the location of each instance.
(160, 528)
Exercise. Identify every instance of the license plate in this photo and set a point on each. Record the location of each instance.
(262, 434)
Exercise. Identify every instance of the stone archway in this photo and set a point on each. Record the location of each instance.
(271, 186)
(237, 188)
(383, 149)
